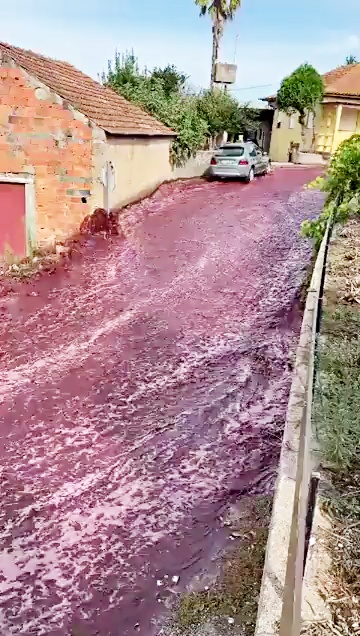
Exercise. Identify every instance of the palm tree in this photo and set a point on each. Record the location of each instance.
(220, 11)
(351, 59)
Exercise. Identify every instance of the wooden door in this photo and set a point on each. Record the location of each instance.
(12, 220)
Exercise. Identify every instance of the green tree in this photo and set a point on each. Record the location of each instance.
(123, 73)
(301, 92)
(351, 59)
(195, 118)
(223, 112)
(220, 12)
(160, 94)
(172, 80)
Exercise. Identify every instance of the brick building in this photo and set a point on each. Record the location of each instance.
(59, 130)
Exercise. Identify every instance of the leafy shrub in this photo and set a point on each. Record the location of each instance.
(222, 111)
(163, 94)
(342, 185)
(160, 94)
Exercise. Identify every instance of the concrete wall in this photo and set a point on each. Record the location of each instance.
(41, 137)
(141, 164)
(195, 167)
(286, 130)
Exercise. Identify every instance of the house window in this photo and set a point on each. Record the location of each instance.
(348, 119)
(292, 121)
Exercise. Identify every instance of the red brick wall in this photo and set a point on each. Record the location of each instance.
(43, 137)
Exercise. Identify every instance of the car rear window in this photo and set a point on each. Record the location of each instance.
(236, 151)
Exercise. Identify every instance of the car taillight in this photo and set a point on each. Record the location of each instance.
(213, 161)
(243, 162)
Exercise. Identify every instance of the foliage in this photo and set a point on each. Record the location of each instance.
(337, 424)
(235, 593)
(173, 81)
(342, 185)
(222, 112)
(162, 93)
(351, 59)
(300, 92)
(336, 414)
(224, 9)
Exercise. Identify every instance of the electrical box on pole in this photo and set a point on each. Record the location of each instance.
(225, 73)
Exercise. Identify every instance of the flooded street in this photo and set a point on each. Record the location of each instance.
(140, 392)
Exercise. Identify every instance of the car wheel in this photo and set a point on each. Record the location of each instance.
(250, 176)
(266, 171)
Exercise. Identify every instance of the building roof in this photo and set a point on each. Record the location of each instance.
(344, 80)
(102, 105)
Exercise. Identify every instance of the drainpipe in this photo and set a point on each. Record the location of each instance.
(109, 184)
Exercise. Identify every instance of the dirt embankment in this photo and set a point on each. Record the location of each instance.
(337, 424)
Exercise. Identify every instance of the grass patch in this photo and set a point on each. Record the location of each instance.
(337, 395)
(337, 423)
(236, 593)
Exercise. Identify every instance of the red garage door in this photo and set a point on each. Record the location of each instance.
(12, 220)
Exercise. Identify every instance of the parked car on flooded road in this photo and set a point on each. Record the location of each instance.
(241, 160)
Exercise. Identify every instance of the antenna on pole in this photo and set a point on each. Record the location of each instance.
(235, 47)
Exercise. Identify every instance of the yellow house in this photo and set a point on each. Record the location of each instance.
(336, 119)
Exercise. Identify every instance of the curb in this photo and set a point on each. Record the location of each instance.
(279, 610)
(297, 166)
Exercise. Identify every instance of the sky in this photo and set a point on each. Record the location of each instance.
(273, 37)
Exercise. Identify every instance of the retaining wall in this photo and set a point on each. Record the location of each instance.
(279, 611)
(195, 167)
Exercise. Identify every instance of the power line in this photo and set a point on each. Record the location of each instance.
(248, 88)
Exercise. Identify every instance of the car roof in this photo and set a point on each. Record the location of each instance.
(239, 144)
(234, 144)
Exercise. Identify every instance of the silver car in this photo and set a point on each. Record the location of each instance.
(241, 160)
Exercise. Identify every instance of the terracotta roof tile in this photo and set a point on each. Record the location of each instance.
(344, 80)
(102, 105)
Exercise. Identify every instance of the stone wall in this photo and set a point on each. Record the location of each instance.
(42, 136)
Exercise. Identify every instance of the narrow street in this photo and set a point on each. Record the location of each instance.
(141, 391)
